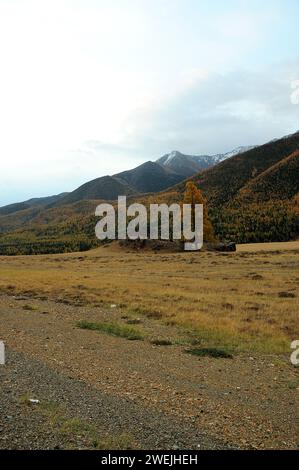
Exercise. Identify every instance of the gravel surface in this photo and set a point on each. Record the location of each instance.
(26, 426)
(98, 390)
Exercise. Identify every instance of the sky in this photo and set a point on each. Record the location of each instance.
(94, 87)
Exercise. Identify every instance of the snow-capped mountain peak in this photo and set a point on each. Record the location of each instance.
(191, 164)
(172, 156)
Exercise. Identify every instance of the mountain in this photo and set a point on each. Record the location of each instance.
(254, 197)
(187, 165)
(106, 187)
(34, 202)
(232, 153)
(221, 183)
(251, 197)
(45, 216)
(279, 182)
(146, 178)
(150, 177)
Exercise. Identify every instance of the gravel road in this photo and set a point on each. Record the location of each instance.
(101, 391)
(29, 426)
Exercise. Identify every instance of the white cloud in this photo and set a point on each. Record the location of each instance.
(219, 112)
(90, 87)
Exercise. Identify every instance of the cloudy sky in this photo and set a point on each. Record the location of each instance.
(92, 87)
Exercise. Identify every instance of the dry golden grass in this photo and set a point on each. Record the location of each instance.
(229, 300)
(278, 246)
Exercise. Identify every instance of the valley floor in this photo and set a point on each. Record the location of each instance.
(268, 247)
(101, 390)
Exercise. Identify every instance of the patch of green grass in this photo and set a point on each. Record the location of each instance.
(235, 342)
(113, 328)
(76, 426)
(53, 412)
(30, 307)
(71, 429)
(124, 441)
(294, 385)
(24, 399)
(210, 352)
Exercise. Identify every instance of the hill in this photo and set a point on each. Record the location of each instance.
(221, 183)
(34, 202)
(146, 178)
(106, 187)
(251, 197)
(280, 181)
(150, 177)
(188, 165)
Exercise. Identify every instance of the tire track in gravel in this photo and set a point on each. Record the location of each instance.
(23, 427)
(244, 400)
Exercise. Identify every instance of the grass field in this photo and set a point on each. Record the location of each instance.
(244, 301)
(151, 350)
(277, 246)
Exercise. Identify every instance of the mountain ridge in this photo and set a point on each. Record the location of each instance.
(270, 184)
(151, 176)
(251, 197)
(33, 202)
(190, 164)
(222, 182)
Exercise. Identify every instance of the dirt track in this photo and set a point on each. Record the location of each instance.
(160, 396)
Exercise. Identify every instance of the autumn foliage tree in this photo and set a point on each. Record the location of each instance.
(194, 196)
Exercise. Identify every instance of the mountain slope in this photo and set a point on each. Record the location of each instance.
(252, 197)
(280, 181)
(42, 216)
(34, 202)
(146, 178)
(221, 183)
(187, 165)
(150, 177)
(106, 187)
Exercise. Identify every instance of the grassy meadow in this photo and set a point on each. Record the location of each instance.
(240, 302)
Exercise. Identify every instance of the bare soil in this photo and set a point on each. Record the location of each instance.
(159, 396)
